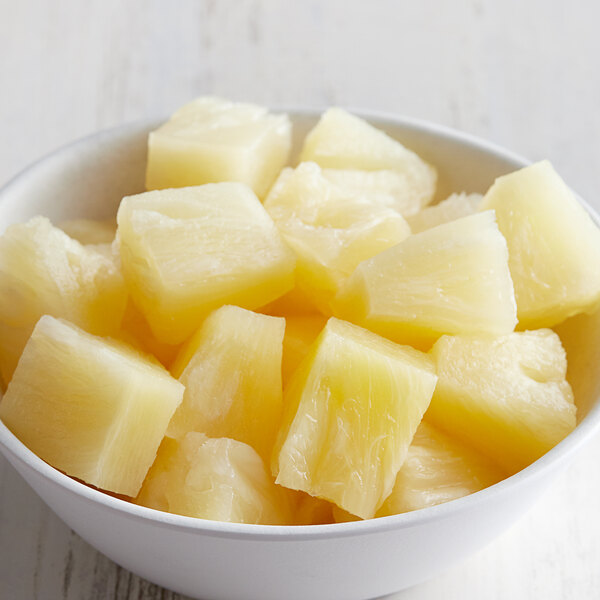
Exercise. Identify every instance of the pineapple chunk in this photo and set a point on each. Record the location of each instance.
(330, 229)
(452, 208)
(106, 433)
(383, 188)
(44, 271)
(506, 396)
(554, 246)
(438, 469)
(352, 409)
(294, 302)
(453, 278)
(90, 231)
(343, 141)
(211, 140)
(580, 336)
(300, 332)
(308, 510)
(218, 479)
(188, 251)
(231, 370)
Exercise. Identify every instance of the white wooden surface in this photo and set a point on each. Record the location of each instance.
(523, 74)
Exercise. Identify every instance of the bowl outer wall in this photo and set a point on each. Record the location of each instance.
(222, 560)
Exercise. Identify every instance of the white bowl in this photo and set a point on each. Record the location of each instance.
(231, 561)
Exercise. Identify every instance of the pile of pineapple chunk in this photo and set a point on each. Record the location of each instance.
(260, 343)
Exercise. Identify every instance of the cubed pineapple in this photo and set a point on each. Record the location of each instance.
(331, 229)
(231, 370)
(553, 245)
(506, 396)
(391, 189)
(44, 271)
(91, 407)
(211, 140)
(90, 231)
(187, 251)
(454, 207)
(300, 332)
(351, 411)
(453, 278)
(437, 469)
(343, 141)
(218, 479)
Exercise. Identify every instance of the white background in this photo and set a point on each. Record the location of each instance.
(524, 74)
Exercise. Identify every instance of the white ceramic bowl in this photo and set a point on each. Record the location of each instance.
(230, 561)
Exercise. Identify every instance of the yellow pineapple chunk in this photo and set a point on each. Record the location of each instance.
(580, 337)
(89, 406)
(331, 229)
(44, 271)
(90, 231)
(136, 331)
(438, 469)
(231, 370)
(300, 332)
(452, 208)
(553, 244)
(391, 189)
(294, 302)
(351, 411)
(218, 479)
(343, 141)
(453, 278)
(211, 140)
(308, 510)
(187, 251)
(506, 396)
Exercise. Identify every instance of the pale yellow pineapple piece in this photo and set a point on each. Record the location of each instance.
(91, 407)
(553, 244)
(331, 229)
(438, 469)
(211, 140)
(391, 189)
(136, 331)
(222, 480)
(231, 370)
(300, 332)
(580, 337)
(506, 396)
(351, 411)
(153, 493)
(308, 510)
(44, 271)
(343, 141)
(90, 231)
(454, 207)
(188, 251)
(453, 278)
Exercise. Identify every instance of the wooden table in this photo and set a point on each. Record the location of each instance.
(523, 74)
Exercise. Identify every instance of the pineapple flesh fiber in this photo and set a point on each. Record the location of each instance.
(344, 141)
(437, 469)
(231, 370)
(351, 410)
(187, 251)
(44, 271)
(506, 396)
(214, 478)
(553, 245)
(330, 228)
(453, 278)
(211, 140)
(105, 434)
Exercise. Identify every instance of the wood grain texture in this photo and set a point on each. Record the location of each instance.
(522, 74)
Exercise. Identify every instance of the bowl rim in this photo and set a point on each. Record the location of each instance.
(16, 452)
